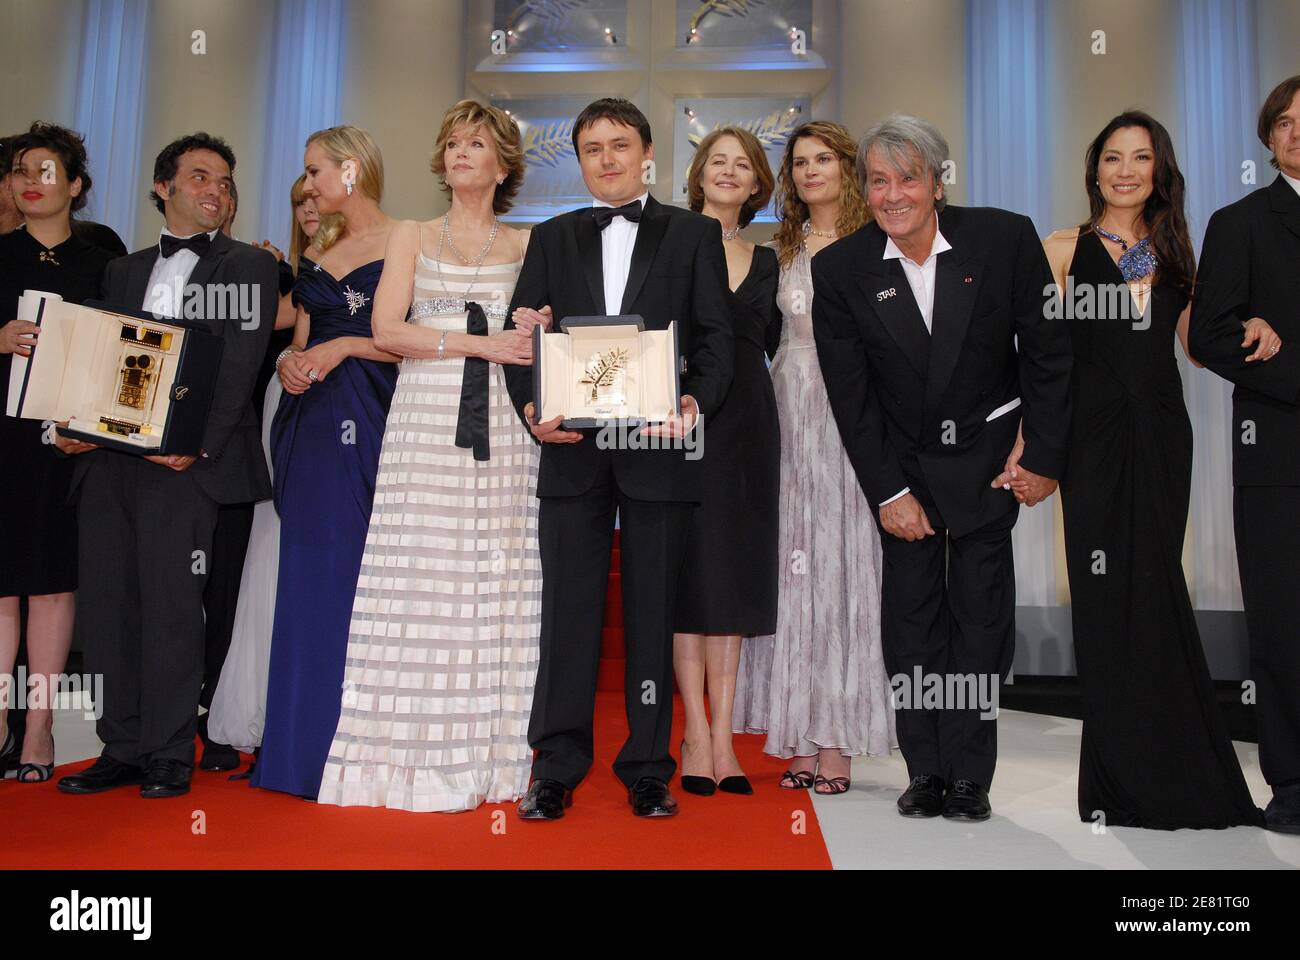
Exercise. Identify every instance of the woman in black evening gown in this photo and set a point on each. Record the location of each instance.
(1155, 749)
(39, 558)
(728, 585)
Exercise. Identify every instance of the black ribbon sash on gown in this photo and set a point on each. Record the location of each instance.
(472, 421)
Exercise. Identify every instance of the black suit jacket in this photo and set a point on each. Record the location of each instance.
(912, 406)
(233, 469)
(1250, 267)
(678, 272)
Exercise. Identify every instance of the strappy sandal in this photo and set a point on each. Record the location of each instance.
(792, 780)
(837, 785)
(43, 772)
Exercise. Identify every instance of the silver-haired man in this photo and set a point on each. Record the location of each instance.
(946, 375)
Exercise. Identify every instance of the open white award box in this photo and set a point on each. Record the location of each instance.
(119, 379)
(606, 369)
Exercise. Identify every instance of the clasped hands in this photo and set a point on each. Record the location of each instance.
(300, 369)
(1029, 488)
(516, 345)
(906, 519)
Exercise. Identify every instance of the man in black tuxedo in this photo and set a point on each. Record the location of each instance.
(934, 344)
(1245, 326)
(146, 523)
(626, 254)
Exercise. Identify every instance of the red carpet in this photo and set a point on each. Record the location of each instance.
(249, 828)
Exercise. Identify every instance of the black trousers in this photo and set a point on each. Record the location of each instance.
(144, 547)
(575, 535)
(1266, 522)
(948, 607)
(226, 569)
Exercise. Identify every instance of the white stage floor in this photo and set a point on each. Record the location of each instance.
(1035, 822)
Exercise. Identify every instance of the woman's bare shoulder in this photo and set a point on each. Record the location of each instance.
(1066, 237)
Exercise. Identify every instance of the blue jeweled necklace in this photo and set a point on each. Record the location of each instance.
(1135, 263)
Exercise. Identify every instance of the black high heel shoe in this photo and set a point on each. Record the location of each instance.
(700, 786)
(10, 755)
(739, 785)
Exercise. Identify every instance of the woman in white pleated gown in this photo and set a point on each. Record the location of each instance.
(443, 651)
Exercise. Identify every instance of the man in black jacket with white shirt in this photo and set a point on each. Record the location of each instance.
(626, 254)
(146, 523)
(935, 345)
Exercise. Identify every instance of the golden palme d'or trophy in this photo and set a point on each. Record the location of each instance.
(606, 374)
(604, 369)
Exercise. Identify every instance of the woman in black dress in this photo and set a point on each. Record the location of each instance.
(39, 559)
(728, 585)
(1155, 750)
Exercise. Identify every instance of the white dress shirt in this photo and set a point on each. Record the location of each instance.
(920, 277)
(616, 243)
(164, 295)
(1295, 184)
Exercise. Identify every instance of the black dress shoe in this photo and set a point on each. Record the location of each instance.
(104, 774)
(545, 800)
(739, 785)
(649, 797)
(1283, 812)
(923, 797)
(218, 757)
(166, 778)
(252, 767)
(967, 801)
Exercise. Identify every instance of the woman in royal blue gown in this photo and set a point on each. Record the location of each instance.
(325, 444)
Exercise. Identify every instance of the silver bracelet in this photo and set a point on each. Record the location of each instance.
(284, 353)
(442, 346)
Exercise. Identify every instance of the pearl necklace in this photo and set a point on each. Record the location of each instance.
(809, 231)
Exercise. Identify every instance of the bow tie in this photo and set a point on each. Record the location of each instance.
(629, 211)
(199, 243)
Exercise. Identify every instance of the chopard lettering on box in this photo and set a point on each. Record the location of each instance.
(886, 294)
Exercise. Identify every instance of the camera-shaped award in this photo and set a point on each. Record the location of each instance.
(120, 379)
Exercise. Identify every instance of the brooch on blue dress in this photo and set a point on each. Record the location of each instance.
(356, 300)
